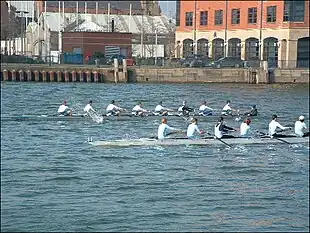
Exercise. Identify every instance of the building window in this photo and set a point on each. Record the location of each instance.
(235, 16)
(177, 13)
(188, 18)
(203, 17)
(218, 17)
(271, 14)
(294, 11)
(252, 15)
(286, 13)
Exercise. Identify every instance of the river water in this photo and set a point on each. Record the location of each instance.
(52, 180)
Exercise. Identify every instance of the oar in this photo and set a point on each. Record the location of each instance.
(219, 140)
(275, 137)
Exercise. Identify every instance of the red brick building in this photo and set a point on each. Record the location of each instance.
(266, 30)
(88, 43)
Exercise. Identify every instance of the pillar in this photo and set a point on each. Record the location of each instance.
(13, 73)
(66, 76)
(291, 53)
(242, 50)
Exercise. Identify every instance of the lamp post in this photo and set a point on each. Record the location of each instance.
(22, 15)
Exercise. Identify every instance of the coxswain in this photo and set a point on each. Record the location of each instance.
(192, 128)
(89, 107)
(253, 111)
(300, 125)
(221, 130)
(138, 110)
(204, 110)
(64, 109)
(113, 110)
(227, 110)
(245, 127)
(184, 109)
(273, 125)
(163, 129)
(160, 110)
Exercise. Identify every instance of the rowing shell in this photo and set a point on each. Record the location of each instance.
(209, 141)
(105, 118)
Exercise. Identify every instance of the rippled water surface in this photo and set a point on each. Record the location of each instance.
(52, 180)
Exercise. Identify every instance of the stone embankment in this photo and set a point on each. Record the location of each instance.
(74, 73)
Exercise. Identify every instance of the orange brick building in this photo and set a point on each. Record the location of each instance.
(277, 31)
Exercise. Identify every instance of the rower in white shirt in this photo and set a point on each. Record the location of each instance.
(89, 107)
(113, 110)
(204, 110)
(163, 129)
(227, 110)
(273, 125)
(64, 109)
(245, 128)
(192, 128)
(300, 125)
(139, 111)
(160, 110)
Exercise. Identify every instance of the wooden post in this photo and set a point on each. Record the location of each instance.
(88, 77)
(59, 76)
(5, 74)
(66, 76)
(95, 76)
(73, 76)
(44, 76)
(13, 73)
(115, 70)
(125, 74)
(21, 75)
(36, 76)
(81, 76)
(52, 76)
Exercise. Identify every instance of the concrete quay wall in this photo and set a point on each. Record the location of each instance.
(197, 75)
(67, 73)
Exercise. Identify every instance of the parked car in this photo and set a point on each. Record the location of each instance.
(185, 62)
(227, 62)
(201, 62)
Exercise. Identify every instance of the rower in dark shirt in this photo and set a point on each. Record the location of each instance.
(221, 130)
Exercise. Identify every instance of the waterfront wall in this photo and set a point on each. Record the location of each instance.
(152, 75)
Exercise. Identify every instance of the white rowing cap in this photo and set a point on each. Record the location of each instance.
(301, 118)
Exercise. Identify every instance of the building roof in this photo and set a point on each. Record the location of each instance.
(103, 4)
(24, 6)
(123, 23)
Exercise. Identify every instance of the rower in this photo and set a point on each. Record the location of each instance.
(185, 109)
(245, 127)
(204, 110)
(192, 128)
(300, 125)
(160, 110)
(227, 110)
(273, 125)
(64, 109)
(89, 107)
(253, 111)
(221, 130)
(138, 110)
(113, 110)
(163, 128)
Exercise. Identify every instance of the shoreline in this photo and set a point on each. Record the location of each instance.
(149, 74)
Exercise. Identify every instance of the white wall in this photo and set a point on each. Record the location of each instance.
(149, 50)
